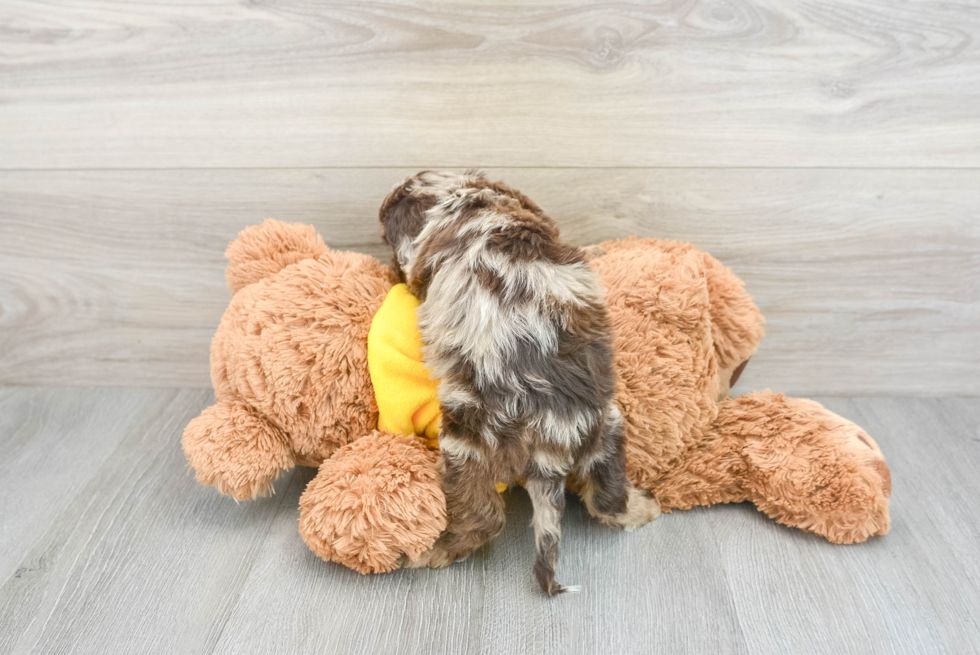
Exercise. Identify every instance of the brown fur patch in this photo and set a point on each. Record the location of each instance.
(737, 373)
(886, 476)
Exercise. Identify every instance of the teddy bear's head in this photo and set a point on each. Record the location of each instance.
(293, 341)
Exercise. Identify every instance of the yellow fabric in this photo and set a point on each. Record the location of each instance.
(408, 399)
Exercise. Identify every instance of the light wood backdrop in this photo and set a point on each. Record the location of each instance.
(828, 151)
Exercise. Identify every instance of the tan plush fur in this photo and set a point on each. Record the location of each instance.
(375, 500)
(289, 367)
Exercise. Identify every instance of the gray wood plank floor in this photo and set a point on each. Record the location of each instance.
(108, 545)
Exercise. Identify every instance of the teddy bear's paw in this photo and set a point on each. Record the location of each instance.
(858, 510)
(234, 449)
(594, 251)
(641, 508)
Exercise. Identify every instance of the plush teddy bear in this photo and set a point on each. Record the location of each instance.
(317, 362)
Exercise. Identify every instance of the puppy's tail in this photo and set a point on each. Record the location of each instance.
(548, 499)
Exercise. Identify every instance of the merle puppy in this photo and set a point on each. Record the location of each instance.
(516, 326)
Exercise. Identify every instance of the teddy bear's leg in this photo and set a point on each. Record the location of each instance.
(375, 504)
(708, 474)
(807, 467)
(234, 449)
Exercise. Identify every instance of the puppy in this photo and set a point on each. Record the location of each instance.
(515, 325)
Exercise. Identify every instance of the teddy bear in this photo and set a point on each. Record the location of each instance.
(317, 362)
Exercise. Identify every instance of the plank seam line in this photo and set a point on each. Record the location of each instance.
(251, 565)
(488, 166)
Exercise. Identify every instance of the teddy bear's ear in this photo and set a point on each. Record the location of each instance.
(264, 250)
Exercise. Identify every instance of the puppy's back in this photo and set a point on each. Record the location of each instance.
(511, 313)
(516, 328)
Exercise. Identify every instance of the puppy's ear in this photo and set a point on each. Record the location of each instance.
(402, 217)
(402, 213)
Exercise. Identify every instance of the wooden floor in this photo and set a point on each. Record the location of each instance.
(108, 545)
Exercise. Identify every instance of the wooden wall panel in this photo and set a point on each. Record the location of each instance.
(292, 83)
(869, 279)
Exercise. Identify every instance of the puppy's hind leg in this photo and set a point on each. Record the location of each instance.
(608, 494)
(475, 511)
(547, 494)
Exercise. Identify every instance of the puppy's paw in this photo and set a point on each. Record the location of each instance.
(641, 508)
(437, 557)
(592, 252)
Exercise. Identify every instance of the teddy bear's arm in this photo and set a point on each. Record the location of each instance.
(234, 449)
(736, 322)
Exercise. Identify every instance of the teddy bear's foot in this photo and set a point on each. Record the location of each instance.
(375, 504)
(808, 467)
(237, 451)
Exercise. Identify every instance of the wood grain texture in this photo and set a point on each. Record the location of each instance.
(291, 83)
(140, 559)
(53, 441)
(869, 279)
